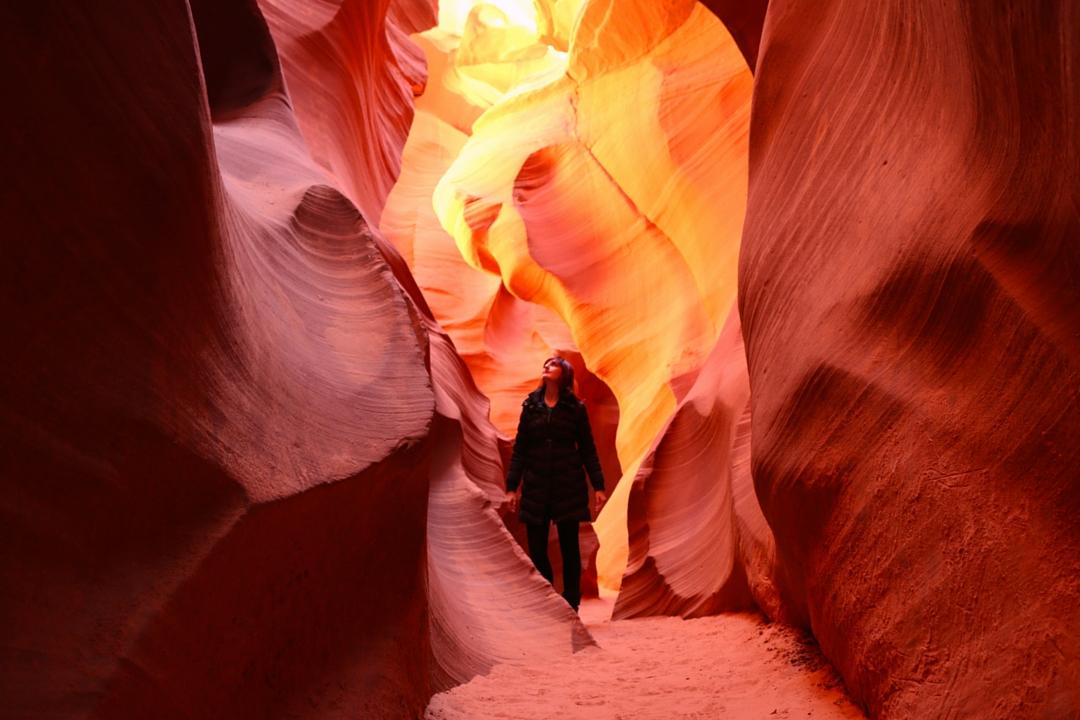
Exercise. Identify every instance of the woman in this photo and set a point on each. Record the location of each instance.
(553, 449)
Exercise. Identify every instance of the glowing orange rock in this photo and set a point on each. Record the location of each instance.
(599, 212)
(908, 290)
(698, 541)
(503, 339)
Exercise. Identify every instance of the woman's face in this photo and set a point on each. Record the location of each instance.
(552, 370)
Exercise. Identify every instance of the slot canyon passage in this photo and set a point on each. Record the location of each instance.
(279, 273)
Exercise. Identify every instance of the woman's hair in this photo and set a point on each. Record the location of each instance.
(566, 380)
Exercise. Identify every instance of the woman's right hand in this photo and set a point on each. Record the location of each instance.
(511, 500)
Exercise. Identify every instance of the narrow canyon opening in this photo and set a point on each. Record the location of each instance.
(571, 185)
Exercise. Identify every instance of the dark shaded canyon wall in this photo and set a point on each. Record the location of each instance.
(744, 20)
(223, 403)
(187, 514)
(909, 293)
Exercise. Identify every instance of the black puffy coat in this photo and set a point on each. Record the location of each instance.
(552, 451)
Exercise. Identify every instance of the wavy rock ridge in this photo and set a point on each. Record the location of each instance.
(699, 544)
(908, 291)
(522, 126)
(229, 404)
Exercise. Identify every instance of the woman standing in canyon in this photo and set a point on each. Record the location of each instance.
(553, 450)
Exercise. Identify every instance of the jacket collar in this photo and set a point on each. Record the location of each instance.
(536, 398)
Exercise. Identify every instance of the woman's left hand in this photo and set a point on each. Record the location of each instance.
(600, 498)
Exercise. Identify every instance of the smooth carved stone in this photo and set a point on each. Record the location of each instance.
(200, 425)
(908, 290)
(501, 338)
(698, 542)
(351, 73)
(228, 403)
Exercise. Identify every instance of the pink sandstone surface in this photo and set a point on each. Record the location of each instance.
(351, 73)
(699, 544)
(909, 297)
(240, 443)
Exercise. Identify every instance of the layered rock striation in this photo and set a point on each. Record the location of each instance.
(698, 543)
(238, 443)
(199, 430)
(599, 185)
(908, 291)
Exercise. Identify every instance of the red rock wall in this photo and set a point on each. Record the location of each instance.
(225, 403)
(908, 289)
(744, 20)
(188, 526)
(699, 544)
(246, 472)
(351, 73)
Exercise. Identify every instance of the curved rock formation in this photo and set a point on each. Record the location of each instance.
(908, 288)
(501, 338)
(351, 73)
(227, 404)
(471, 628)
(662, 220)
(184, 473)
(699, 544)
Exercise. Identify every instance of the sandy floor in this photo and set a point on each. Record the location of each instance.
(730, 666)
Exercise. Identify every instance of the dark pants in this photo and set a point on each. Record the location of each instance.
(571, 556)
